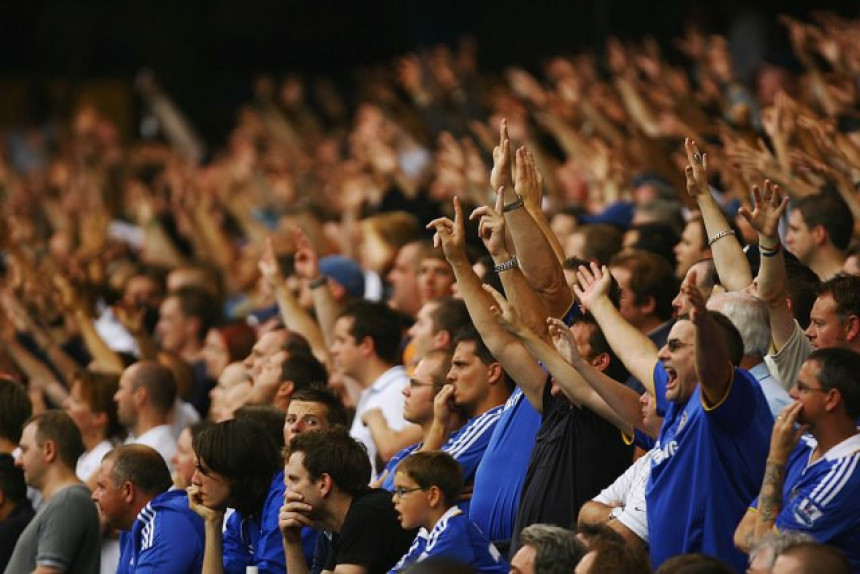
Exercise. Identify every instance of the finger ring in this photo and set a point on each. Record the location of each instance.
(697, 157)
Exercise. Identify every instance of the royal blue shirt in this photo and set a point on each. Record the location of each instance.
(502, 470)
(822, 498)
(167, 537)
(467, 445)
(458, 538)
(708, 466)
(256, 540)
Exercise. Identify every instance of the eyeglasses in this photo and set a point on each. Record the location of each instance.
(675, 345)
(804, 388)
(400, 491)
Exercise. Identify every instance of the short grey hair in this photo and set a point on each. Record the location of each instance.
(776, 543)
(749, 315)
(557, 550)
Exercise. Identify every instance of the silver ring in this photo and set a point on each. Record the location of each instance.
(697, 157)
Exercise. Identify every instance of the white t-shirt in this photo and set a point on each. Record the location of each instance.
(89, 462)
(629, 490)
(161, 439)
(385, 394)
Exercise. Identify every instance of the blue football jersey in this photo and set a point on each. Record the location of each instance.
(822, 499)
(455, 536)
(502, 470)
(167, 536)
(708, 465)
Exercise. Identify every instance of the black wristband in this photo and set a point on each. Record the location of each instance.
(318, 282)
(513, 205)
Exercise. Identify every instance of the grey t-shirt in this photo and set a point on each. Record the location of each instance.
(64, 534)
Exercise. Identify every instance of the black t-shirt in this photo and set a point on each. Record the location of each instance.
(576, 455)
(371, 535)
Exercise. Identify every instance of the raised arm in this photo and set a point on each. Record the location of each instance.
(107, 359)
(713, 365)
(491, 230)
(292, 313)
(569, 380)
(623, 400)
(729, 257)
(308, 268)
(634, 348)
(771, 281)
(514, 358)
(540, 263)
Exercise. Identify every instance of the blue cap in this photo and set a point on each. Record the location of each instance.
(346, 272)
(619, 214)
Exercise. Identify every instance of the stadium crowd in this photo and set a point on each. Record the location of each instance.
(603, 318)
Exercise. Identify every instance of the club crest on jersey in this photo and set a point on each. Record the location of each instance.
(807, 512)
(683, 421)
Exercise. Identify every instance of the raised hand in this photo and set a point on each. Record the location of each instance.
(698, 312)
(268, 264)
(491, 226)
(501, 172)
(563, 340)
(696, 171)
(593, 284)
(528, 183)
(769, 207)
(505, 314)
(131, 317)
(451, 235)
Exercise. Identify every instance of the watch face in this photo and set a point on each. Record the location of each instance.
(616, 512)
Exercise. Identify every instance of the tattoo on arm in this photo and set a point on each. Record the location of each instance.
(770, 499)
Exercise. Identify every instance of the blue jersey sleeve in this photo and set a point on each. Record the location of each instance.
(235, 553)
(828, 509)
(173, 546)
(269, 555)
(256, 541)
(468, 445)
(741, 403)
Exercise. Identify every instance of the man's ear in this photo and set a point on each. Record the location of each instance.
(852, 328)
(436, 499)
(442, 339)
(820, 235)
(325, 484)
(285, 391)
(601, 362)
(368, 348)
(649, 306)
(140, 395)
(495, 373)
(129, 491)
(49, 451)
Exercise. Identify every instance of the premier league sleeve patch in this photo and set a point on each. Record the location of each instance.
(807, 512)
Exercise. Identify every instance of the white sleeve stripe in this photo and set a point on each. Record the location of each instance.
(472, 433)
(832, 475)
(471, 436)
(831, 479)
(849, 472)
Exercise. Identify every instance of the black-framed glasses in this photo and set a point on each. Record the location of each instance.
(400, 491)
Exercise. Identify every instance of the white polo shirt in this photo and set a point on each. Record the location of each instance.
(385, 394)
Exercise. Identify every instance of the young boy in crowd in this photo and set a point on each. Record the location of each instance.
(427, 486)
